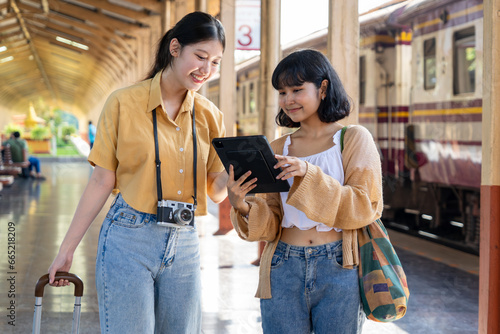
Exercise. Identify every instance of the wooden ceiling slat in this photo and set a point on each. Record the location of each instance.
(21, 81)
(9, 26)
(18, 56)
(96, 40)
(140, 16)
(104, 33)
(86, 14)
(15, 74)
(50, 38)
(152, 5)
(8, 16)
(75, 70)
(44, 43)
(114, 67)
(11, 51)
(5, 37)
(17, 64)
(59, 30)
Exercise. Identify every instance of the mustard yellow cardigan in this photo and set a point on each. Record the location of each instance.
(322, 198)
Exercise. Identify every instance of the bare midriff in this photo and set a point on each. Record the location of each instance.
(297, 237)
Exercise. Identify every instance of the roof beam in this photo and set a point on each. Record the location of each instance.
(96, 40)
(97, 18)
(27, 35)
(141, 16)
(109, 37)
(117, 70)
(104, 33)
(10, 26)
(152, 5)
(18, 55)
(51, 38)
(4, 37)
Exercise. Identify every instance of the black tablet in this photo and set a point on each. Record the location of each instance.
(251, 153)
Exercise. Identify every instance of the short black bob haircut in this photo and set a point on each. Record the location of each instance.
(193, 28)
(312, 66)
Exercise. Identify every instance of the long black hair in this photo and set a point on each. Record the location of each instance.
(312, 66)
(193, 28)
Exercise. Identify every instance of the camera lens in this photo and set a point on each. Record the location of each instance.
(183, 216)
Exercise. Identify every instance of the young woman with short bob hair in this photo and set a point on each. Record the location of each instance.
(308, 278)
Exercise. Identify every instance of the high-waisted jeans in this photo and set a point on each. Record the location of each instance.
(147, 276)
(312, 292)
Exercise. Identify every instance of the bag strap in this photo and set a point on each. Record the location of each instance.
(342, 133)
(158, 162)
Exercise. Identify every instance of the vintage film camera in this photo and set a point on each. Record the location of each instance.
(175, 214)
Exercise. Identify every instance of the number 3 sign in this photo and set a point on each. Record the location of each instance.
(248, 24)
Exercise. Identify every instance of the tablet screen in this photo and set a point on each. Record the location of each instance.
(251, 153)
(254, 161)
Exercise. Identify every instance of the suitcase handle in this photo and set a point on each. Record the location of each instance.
(44, 280)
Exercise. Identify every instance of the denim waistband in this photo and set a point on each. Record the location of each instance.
(120, 202)
(308, 251)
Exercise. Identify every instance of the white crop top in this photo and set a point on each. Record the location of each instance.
(330, 162)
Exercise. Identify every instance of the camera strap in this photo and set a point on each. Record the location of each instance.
(158, 162)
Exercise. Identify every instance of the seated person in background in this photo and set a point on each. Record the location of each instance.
(19, 152)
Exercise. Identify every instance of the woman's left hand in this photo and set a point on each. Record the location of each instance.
(291, 166)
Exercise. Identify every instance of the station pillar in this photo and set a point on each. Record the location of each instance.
(227, 95)
(489, 260)
(343, 49)
(270, 54)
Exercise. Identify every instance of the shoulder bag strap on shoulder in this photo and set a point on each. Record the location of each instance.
(342, 133)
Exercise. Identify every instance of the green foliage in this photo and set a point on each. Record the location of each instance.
(470, 56)
(57, 117)
(68, 150)
(11, 127)
(40, 133)
(68, 130)
(42, 108)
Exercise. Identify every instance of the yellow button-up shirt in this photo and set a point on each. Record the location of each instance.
(124, 143)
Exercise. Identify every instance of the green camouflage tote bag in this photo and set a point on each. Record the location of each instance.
(382, 281)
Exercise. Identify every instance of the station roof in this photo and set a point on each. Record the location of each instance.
(69, 51)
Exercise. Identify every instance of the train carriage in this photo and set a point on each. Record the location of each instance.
(443, 133)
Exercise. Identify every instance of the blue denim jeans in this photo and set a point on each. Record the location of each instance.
(34, 164)
(147, 276)
(311, 292)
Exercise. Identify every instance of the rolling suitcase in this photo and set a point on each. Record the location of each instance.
(40, 285)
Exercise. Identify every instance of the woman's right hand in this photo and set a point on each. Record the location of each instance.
(62, 262)
(238, 189)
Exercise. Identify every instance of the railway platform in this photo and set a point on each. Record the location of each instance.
(443, 282)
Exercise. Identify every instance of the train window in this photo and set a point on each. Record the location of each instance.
(251, 98)
(464, 69)
(430, 63)
(362, 79)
